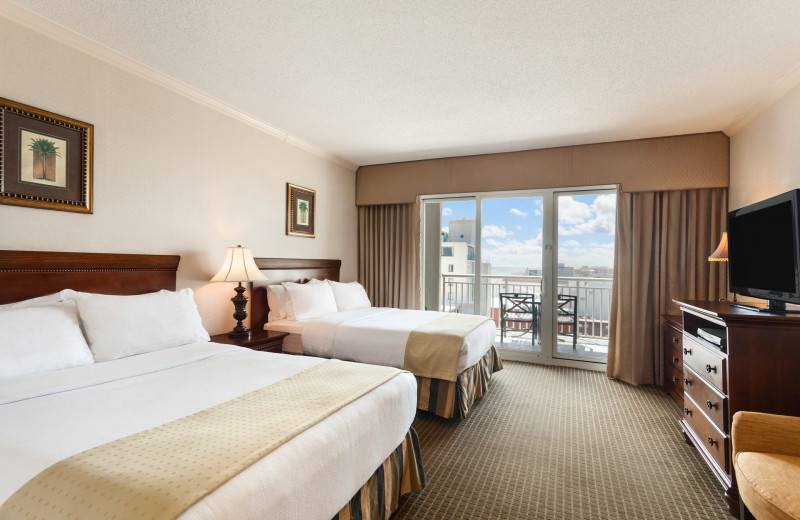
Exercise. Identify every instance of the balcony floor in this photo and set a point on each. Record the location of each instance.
(588, 347)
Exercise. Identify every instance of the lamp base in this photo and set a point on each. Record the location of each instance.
(240, 314)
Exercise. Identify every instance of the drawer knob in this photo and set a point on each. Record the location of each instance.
(674, 359)
(710, 405)
(687, 351)
(687, 381)
(674, 339)
(686, 411)
(674, 379)
(710, 369)
(711, 442)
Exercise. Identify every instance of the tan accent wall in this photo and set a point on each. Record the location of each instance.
(765, 155)
(663, 163)
(170, 175)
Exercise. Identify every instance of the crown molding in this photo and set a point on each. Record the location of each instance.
(94, 49)
(789, 80)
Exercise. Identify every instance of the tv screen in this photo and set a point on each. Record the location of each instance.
(763, 249)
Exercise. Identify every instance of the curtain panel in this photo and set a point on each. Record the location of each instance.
(663, 240)
(388, 254)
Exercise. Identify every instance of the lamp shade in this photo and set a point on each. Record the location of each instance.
(239, 266)
(721, 253)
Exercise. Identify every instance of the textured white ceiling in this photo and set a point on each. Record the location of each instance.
(383, 81)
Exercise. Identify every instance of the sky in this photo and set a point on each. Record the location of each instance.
(512, 229)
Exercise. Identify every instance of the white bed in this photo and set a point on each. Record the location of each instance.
(58, 398)
(47, 417)
(376, 335)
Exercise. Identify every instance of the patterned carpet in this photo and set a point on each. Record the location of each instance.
(551, 443)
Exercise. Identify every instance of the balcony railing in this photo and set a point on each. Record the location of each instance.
(594, 297)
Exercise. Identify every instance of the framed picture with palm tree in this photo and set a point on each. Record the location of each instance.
(301, 211)
(45, 159)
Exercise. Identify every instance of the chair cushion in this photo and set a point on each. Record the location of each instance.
(768, 484)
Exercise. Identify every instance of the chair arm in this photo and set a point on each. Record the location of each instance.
(765, 433)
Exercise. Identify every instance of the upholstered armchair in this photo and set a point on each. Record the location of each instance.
(766, 459)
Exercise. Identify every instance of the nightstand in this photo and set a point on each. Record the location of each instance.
(262, 340)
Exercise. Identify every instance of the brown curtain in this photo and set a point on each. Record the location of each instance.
(388, 254)
(663, 240)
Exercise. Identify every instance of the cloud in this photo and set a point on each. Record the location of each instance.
(578, 218)
(445, 229)
(537, 212)
(495, 231)
(514, 253)
(517, 212)
(591, 253)
(519, 228)
(446, 212)
(571, 211)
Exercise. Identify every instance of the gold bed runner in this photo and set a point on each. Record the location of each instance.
(432, 349)
(161, 472)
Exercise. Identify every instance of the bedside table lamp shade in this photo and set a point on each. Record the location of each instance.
(239, 266)
(720, 254)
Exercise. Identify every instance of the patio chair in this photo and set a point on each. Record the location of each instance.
(518, 308)
(567, 314)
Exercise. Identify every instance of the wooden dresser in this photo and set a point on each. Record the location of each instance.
(756, 368)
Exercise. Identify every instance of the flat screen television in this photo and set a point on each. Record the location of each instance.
(764, 250)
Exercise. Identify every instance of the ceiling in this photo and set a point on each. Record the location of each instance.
(377, 81)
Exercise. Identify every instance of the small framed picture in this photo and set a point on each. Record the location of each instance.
(45, 159)
(301, 211)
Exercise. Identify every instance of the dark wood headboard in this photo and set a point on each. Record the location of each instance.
(279, 270)
(27, 274)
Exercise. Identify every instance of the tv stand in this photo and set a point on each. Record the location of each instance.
(756, 369)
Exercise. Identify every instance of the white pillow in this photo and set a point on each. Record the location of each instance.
(310, 300)
(349, 296)
(40, 339)
(288, 307)
(121, 326)
(276, 298)
(49, 299)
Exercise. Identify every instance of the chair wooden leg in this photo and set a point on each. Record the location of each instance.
(744, 513)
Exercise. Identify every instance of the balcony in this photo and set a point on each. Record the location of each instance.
(593, 308)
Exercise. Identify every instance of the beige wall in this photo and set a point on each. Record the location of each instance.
(765, 154)
(171, 176)
(663, 163)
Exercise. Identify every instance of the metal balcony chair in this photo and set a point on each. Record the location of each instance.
(518, 308)
(567, 315)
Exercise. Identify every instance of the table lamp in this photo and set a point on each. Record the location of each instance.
(239, 266)
(720, 254)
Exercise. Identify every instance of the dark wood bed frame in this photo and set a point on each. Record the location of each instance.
(28, 274)
(279, 270)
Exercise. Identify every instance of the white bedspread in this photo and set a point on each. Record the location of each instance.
(47, 417)
(378, 336)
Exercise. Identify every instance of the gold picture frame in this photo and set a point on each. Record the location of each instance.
(301, 211)
(45, 159)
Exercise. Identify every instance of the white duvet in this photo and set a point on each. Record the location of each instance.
(378, 336)
(47, 417)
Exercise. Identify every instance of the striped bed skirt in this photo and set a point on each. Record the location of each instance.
(400, 474)
(450, 399)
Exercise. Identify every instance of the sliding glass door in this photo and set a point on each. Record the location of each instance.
(584, 273)
(540, 264)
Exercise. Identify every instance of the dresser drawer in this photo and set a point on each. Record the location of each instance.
(674, 382)
(711, 365)
(674, 358)
(713, 441)
(674, 338)
(714, 404)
